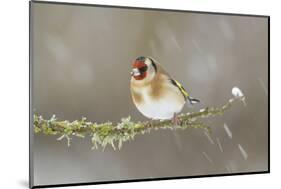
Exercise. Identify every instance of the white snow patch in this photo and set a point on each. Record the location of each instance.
(209, 138)
(237, 93)
(263, 86)
(243, 152)
(207, 157)
(228, 132)
(219, 144)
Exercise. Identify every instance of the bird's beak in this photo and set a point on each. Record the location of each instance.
(135, 72)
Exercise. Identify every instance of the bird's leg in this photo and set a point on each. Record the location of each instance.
(150, 122)
(176, 120)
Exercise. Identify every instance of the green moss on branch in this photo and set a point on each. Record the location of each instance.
(103, 134)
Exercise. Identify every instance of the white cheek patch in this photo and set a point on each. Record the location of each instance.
(136, 72)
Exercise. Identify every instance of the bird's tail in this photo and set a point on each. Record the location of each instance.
(193, 100)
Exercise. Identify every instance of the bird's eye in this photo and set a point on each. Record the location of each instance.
(143, 69)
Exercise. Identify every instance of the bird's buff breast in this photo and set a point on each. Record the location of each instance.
(162, 107)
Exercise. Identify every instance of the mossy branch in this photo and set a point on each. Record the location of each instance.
(106, 133)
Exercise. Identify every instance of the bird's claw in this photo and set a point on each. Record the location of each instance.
(176, 121)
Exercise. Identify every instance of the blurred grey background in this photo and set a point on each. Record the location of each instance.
(82, 60)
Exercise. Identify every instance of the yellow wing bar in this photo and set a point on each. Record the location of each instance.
(177, 84)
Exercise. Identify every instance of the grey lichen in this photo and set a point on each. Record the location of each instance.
(103, 134)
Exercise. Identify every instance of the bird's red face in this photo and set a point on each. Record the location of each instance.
(139, 71)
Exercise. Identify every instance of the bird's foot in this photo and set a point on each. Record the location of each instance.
(175, 120)
(150, 123)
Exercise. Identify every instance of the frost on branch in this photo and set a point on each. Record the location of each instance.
(237, 93)
(103, 134)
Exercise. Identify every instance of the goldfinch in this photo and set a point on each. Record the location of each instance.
(154, 92)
